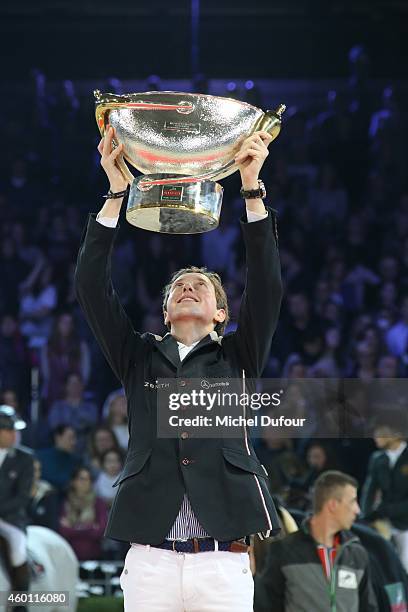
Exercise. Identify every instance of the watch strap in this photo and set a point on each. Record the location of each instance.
(252, 194)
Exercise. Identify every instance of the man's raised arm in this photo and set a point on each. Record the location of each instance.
(262, 296)
(93, 285)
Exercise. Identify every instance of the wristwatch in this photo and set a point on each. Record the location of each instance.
(252, 194)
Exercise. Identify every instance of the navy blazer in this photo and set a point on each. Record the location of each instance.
(16, 481)
(223, 478)
(393, 485)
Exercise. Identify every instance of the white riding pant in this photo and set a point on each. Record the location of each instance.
(17, 541)
(158, 580)
(401, 544)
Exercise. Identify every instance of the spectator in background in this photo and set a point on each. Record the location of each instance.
(387, 367)
(294, 367)
(58, 241)
(385, 492)
(111, 466)
(299, 574)
(387, 298)
(84, 516)
(44, 504)
(101, 440)
(13, 272)
(20, 188)
(156, 269)
(217, 248)
(37, 303)
(59, 462)
(279, 459)
(10, 398)
(74, 410)
(26, 250)
(13, 354)
(365, 361)
(65, 353)
(302, 324)
(16, 477)
(328, 201)
(329, 364)
(115, 413)
(397, 336)
(67, 298)
(320, 457)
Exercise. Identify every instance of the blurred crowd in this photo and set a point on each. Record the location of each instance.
(336, 176)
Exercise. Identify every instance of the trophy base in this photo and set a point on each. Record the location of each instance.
(171, 207)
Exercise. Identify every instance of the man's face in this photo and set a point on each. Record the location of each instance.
(67, 440)
(10, 399)
(346, 508)
(316, 457)
(8, 438)
(384, 437)
(192, 297)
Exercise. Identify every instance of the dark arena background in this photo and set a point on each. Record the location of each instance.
(337, 176)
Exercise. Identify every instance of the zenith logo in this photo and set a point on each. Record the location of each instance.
(155, 385)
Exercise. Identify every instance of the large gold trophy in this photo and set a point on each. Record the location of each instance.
(182, 143)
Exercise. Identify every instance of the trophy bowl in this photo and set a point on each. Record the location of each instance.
(182, 143)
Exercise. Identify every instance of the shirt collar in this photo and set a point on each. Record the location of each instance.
(188, 346)
(394, 454)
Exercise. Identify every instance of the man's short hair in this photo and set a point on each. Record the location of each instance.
(59, 430)
(329, 485)
(393, 421)
(220, 295)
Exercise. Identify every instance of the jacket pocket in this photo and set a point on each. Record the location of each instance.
(248, 463)
(134, 464)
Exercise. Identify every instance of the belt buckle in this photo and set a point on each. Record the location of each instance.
(174, 546)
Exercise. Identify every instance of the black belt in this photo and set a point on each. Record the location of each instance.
(196, 545)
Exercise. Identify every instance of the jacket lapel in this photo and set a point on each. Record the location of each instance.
(169, 348)
(5, 465)
(402, 457)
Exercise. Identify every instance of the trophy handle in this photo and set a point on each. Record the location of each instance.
(271, 121)
(102, 119)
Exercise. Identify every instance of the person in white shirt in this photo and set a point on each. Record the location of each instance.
(111, 464)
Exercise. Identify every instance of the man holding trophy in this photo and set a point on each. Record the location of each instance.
(186, 505)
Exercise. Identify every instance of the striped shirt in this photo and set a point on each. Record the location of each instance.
(186, 524)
